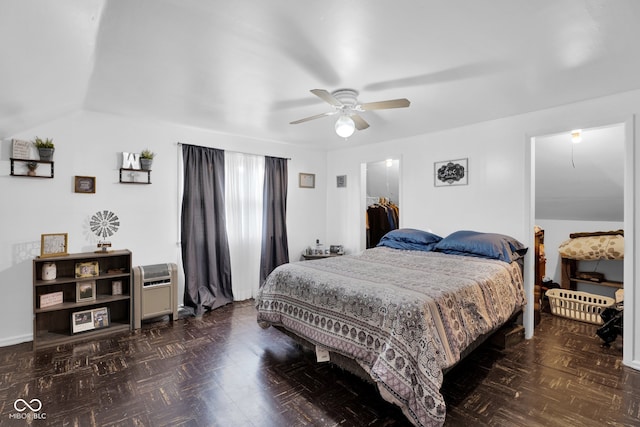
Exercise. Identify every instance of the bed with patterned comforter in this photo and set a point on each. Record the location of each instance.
(403, 315)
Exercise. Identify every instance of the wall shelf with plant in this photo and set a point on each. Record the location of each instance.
(133, 174)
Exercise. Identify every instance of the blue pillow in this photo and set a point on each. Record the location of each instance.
(486, 245)
(410, 239)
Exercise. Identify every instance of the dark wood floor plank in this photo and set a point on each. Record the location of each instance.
(224, 370)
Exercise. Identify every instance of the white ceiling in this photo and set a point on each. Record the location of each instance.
(246, 67)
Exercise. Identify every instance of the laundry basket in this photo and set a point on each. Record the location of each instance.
(577, 305)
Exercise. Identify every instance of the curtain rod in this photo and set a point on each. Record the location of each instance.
(233, 151)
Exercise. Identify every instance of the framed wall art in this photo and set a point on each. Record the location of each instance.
(451, 172)
(87, 269)
(85, 184)
(86, 291)
(341, 181)
(307, 180)
(53, 245)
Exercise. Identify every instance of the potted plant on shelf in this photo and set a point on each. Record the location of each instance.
(45, 148)
(32, 166)
(146, 159)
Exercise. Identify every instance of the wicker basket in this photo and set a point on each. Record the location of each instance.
(576, 305)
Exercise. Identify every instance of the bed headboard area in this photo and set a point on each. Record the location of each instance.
(594, 246)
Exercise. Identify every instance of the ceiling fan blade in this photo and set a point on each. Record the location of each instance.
(360, 123)
(383, 105)
(317, 116)
(327, 97)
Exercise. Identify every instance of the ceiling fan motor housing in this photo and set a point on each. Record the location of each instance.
(349, 97)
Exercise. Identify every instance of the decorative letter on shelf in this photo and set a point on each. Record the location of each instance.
(130, 160)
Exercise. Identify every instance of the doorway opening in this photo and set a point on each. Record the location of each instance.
(580, 187)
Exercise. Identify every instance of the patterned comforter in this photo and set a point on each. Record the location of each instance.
(403, 316)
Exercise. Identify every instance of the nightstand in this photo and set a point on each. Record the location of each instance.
(310, 257)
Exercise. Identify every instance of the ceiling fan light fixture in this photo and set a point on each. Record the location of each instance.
(345, 126)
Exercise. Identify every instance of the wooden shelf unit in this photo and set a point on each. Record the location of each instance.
(569, 279)
(52, 325)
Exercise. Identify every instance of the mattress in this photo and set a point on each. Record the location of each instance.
(403, 316)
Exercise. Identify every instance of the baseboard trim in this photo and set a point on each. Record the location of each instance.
(5, 342)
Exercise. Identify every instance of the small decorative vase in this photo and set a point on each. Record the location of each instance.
(46, 154)
(145, 164)
(49, 271)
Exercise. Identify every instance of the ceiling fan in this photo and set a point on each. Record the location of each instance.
(345, 103)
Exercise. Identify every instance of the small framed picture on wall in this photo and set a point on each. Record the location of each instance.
(307, 180)
(85, 184)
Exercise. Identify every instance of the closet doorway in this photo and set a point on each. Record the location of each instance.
(382, 204)
(581, 187)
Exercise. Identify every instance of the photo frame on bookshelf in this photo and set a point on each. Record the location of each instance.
(89, 320)
(116, 287)
(86, 291)
(51, 299)
(53, 244)
(87, 269)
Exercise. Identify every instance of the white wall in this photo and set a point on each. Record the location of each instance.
(90, 144)
(498, 197)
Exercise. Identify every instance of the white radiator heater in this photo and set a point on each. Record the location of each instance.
(155, 292)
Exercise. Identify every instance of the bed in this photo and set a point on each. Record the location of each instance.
(402, 312)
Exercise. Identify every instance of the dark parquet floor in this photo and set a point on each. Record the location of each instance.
(223, 370)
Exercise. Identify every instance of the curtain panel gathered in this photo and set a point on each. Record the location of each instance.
(275, 248)
(205, 248)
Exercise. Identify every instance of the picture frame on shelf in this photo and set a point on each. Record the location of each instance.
(86, 291)
(87, 269)
(21, 149)
(101, 318)
(82, 321)
(51, 299)
(306, 180)
(85, 184)
(53, 244)
(116, 287)
(89, 320)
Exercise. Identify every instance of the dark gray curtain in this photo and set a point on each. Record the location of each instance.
(275, 249)
(205, 248)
